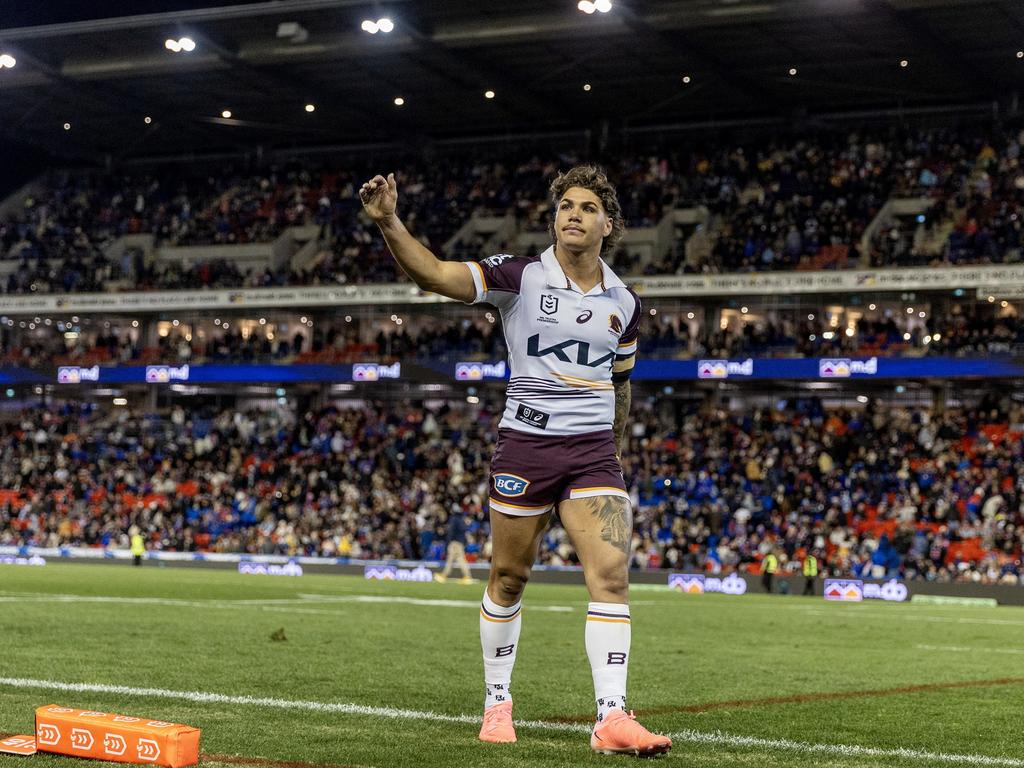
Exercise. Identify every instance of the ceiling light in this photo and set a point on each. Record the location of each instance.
(792, 71)
(369, 26)
(120, 401)
(1004, 304)
(862, 398)
(187, 44)
(488, 94)
(147, 119)
(399, 101)
(311, 107)
(385, 25)
(686, 79)
(904, 63)
(603, 6)
(226, 114)
(7, 61)
(871, 307)
(172, 45)
(586, 6)
(1020, 54)
(67, 126)
(586, 86)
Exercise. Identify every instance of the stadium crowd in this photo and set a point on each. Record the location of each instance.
(773, 203)
(875, 492)
(977, 331)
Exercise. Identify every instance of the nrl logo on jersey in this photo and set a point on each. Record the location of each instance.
(548, 304)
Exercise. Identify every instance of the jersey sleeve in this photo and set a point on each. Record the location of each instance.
(625, 353)
(497, 279)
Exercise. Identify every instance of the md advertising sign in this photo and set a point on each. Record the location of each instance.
(855, 590)
(699, 584)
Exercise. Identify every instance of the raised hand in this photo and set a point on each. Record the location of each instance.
(379, 197)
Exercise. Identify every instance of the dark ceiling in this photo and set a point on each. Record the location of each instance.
(103, 76)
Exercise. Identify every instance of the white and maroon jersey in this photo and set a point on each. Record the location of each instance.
(562, 342)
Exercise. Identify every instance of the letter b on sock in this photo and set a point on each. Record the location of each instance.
(616, 658)
(505, 650)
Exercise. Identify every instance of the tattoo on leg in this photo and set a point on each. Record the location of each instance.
(616, 521)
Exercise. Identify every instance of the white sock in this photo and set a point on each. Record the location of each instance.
(499, 639)
(607, 639)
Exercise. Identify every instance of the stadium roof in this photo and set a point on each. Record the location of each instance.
(265, 61)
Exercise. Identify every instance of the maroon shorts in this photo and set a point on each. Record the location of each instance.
(532, 473)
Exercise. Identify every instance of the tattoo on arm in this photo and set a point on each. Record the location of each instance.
(613, 513)
(623, 398)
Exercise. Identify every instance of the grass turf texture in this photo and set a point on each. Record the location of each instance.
(689, 653)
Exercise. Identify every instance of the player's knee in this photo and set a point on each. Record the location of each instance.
(610, 583)
(510, 582)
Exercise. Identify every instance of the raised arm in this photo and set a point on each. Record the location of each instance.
(448, 278)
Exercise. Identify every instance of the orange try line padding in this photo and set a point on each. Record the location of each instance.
(118, 738)
(18, 745)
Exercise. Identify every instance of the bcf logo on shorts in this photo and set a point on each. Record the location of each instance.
(510, 485)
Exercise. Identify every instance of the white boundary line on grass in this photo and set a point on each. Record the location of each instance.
(286, 605)
(967, 649)
(687, 735)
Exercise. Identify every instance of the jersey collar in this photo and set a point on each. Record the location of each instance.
(556, 277)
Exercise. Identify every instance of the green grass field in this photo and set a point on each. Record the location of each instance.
(371, 675)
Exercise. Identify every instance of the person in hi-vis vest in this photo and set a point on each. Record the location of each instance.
(138, 545)
(810, 572)
(769, 566)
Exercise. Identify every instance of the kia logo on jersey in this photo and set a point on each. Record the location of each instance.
(584, 317)
(510, 485)
(548, 303)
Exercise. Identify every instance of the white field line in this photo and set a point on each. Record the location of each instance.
(690, 736)
(909, 616)
(965, 649)
(284, 606)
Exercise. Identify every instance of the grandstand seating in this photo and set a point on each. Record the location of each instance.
(819, 202)
(878, 493)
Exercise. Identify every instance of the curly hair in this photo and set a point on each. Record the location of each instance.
(593, 178)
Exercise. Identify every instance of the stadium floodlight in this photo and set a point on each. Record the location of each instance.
(586, 6)
(488, 94)
(187, 44)
(603, 6)
(904, 63)
(1020, 54)
(226, 114)
(67, 126)
(399, 101)
(384, 25)
(586, 87)
(792, 71)
(172, 45)
(7, 61)
(686, 79)
(311, 107)
(147, 119)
